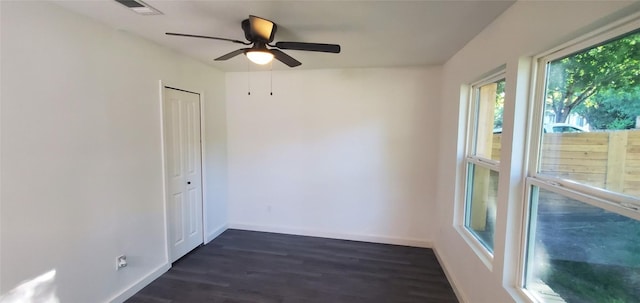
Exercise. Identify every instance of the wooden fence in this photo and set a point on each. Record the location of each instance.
(609, 160)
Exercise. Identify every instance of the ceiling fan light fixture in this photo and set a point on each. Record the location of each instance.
(259, 56)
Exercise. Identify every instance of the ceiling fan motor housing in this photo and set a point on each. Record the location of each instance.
(250, 31)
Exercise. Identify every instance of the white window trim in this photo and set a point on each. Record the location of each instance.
(623, 202)
(583, 197)
(482, 252)
(530, 221)
(610, 201)
(484, 162)
(472, 116)
(470, 158)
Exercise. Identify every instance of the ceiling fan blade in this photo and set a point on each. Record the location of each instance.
(232, 54)
(208, 37)
(262, 29)
(314, 47)
(284, 58)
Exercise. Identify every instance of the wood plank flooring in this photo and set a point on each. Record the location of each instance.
(245, 266)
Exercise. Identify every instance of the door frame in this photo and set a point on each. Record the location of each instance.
(203, 178)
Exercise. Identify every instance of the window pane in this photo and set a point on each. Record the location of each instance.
(592, 105)
(490, 106)
(480, 212)
(582, 253)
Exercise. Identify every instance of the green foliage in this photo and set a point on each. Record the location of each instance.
(613, 66)
(621, 124)
(612, 109)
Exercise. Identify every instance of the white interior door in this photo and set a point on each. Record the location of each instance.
(184, 171)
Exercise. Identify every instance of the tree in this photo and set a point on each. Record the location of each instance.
(612, 109)
(574, 79)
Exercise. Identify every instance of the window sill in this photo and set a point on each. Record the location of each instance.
(538, 292)
(485, 256)
(543, 293)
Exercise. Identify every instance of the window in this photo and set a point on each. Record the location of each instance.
(483, 159)
(583, 242)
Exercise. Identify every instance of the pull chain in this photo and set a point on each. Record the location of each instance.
(248, 78)
(271, 75)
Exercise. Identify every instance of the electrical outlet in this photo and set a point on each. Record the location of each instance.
(121, 262)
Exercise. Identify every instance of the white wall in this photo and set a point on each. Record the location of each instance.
(525, 29)
(81, 152)
(340, 153)
(356, 153)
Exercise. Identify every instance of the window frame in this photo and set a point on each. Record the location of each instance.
(625, 205)
(470, 158)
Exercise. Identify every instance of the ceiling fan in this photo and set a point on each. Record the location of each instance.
(260, 33)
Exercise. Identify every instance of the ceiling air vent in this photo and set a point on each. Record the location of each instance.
(139, 7)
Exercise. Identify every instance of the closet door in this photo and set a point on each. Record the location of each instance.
(184, 171)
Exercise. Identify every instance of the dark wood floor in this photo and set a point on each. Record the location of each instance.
(244, 266)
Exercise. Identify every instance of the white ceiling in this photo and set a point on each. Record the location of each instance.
(371, 33)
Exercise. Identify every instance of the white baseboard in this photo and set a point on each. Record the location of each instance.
(458, 292)
(136, 287)
(333, 235)
(214, 234)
